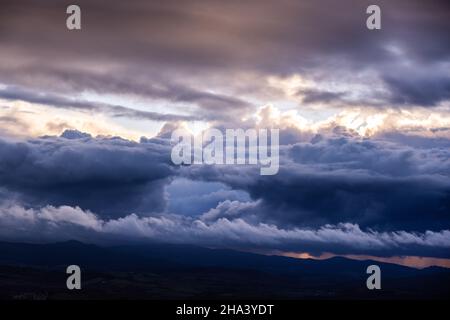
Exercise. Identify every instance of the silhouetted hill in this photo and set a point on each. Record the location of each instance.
(184, 271)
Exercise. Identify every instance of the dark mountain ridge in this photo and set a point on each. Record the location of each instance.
(167, 271)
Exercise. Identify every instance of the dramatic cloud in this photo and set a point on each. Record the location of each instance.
(364, 119)
(61, 223)
(62, 102)
(371, 183)
(216, 55)
(419, 87)
(108, 175)
(328, 180)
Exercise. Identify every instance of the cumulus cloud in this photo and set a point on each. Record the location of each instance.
(108, 175)
(329, 179)
(61, 223)
(357, 122)
(363, 116)
(334, 179)
(336, 193)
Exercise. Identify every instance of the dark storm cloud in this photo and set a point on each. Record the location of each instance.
(374, 184)
(110, 176)
(169, 40)
(419, 89)
(341, 195)
(338, 194)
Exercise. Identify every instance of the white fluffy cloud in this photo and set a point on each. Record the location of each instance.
(63, 223)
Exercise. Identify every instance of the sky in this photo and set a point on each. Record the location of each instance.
(364, 118)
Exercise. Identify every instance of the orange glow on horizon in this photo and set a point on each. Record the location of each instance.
(409, 261)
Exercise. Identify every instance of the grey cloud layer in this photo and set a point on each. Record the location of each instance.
(13, 93)
(107, 175)
(336, 194)
(62, 223)
(373, 183)
(156, 49)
